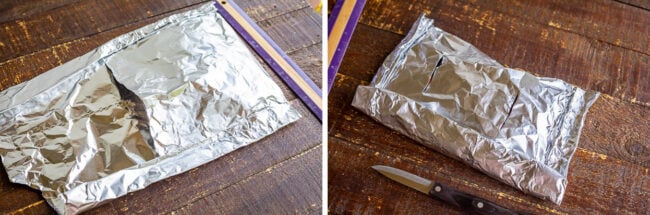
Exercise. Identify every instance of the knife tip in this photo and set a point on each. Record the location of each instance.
(377, 167)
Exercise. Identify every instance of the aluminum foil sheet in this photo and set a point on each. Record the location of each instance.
(446, 94)
(143, 107)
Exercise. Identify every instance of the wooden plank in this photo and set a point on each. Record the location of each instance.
(76, 21)
(368, 48)
(615, 128)
(36, 208)
(16, 199)
(262, 9)
(356, 188)
(602, 20)
(310, 61)
(16, 9)
(260, 193)
(590, 62)
(307, 35)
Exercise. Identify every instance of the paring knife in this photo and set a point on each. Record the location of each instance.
(469, 203)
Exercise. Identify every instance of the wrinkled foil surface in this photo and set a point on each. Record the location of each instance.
(446, 94)
(143, 107)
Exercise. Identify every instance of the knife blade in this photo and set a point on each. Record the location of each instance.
(466, 202)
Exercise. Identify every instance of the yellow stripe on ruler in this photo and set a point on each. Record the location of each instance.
(338, 28)
(276, 56)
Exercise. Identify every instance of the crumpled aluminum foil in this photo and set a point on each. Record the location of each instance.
(446, 94)
(143, 107)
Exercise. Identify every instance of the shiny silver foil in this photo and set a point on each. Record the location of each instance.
(446, 94)
(143, 107)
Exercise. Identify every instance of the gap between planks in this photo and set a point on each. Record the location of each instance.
(497, 13)
(244, 180)
(66, 45)
(633, 5)
(279, 15)
(570, 31)
(39, 12)
(465, 182)
(145, 20)
(85, 37)
(533, 23)
(477, 187)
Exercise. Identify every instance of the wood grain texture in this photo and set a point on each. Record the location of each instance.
(609, 172)
(16, 9)
(290, 150)
(603, 20)
(74, 21)
(251, 195)
(28, 66)
(582, 44)
(312, 61)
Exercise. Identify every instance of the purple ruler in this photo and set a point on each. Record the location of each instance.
(342, 21)
(290, 73)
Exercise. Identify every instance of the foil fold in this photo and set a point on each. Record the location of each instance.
(449, 96)
(143, 107)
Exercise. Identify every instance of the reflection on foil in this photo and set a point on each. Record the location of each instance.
(143, 107)
(446, 94)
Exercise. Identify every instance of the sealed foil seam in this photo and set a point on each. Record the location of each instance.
(143, 107)
(446, 94)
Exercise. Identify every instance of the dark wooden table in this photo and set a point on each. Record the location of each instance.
(602, 45)
(280, 174)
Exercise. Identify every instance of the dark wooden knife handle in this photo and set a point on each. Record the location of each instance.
(468, 203)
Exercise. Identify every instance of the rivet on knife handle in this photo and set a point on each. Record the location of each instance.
(467, 202)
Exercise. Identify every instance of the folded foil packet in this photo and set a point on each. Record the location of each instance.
(143, 107)
(449, 96)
